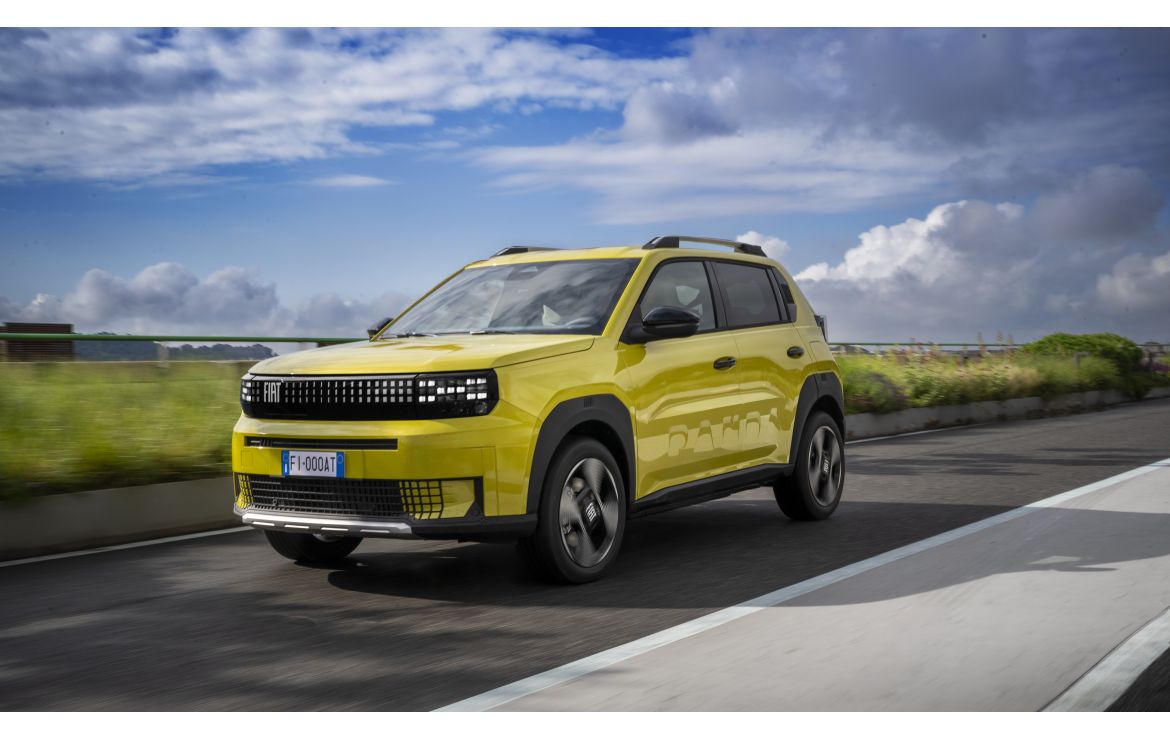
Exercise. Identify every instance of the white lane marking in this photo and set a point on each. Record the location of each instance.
(1107, 681)
(605, 659)
(127, 546)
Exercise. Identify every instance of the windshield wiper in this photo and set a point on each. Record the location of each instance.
(490, 331)
(406, 335)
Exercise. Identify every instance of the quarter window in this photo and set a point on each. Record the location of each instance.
(748, 294)
(681, 285)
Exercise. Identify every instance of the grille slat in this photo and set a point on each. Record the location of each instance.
(361, 498)
(338, 443)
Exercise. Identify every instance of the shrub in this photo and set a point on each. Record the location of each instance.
(869, 387)
(1123, 353)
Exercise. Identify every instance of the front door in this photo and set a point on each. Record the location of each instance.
(685, 390)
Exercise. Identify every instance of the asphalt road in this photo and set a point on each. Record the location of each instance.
(223, 623)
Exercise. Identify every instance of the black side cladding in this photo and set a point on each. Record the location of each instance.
(818, 387)
(603, 409)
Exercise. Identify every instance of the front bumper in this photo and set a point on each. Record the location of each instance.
(449, 479)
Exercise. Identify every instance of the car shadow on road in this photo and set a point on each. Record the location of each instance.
(722, 553)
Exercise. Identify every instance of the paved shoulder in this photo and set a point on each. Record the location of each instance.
(1005, 618)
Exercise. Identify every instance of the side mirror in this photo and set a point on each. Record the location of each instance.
(666, 322)
(378, 326)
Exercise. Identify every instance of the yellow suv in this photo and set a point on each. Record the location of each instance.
(548, 396)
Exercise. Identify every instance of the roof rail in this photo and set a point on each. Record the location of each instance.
(521, 250)
(672, 242)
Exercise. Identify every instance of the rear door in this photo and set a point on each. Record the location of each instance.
(685, 390)
(770, 353)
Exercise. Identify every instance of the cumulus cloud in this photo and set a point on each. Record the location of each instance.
(124, 105)
(973, 266)
(1139, 283)
(350, 181)
(169, 298)
(773, 246)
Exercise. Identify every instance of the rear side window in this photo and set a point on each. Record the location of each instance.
(681, 285)
(748, 294)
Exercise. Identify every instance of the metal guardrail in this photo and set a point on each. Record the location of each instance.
(331, 340)
(34, 337)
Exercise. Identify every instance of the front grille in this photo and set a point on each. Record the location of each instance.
(369, 397)
(357, 498)
(340, 398)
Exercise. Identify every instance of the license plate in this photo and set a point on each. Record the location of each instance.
(311, 463)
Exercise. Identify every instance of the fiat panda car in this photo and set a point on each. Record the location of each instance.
(549, 396)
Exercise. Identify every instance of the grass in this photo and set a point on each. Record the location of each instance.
(881, 384)
(83, 426)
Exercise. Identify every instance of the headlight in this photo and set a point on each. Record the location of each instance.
(442, 395)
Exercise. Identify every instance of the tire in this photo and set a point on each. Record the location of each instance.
(814, 488)
(579, 528)
(308, 548)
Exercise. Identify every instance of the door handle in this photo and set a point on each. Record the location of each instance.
(724, 363)
(796, 351)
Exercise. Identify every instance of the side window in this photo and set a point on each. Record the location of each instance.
(786, 299)
(748, 293)
(681, 285)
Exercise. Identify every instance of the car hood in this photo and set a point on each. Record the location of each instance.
(424, 354)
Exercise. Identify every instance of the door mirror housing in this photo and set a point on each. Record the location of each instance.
(665, 322)
(378, 326)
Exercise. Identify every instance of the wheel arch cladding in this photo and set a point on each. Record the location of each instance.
(820, 392)
(602, 417)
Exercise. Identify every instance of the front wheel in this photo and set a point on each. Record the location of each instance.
(813, 490)
(582, 514)
(312, 548)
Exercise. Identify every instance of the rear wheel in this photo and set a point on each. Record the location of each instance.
(582, 514)
(312, 548)
(813, 490)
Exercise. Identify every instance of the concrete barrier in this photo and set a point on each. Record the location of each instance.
(72, 521)
(860, 426)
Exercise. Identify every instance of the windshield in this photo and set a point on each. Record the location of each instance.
(566, 297)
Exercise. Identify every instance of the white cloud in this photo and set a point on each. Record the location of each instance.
(771, 121)
(774, 247)
(972, 266)
(124, 105)
(169, 298)
(773, 170)
(350, 181)
(927, 250)
(1139, 283)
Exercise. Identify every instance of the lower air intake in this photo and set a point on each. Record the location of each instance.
(357, 498)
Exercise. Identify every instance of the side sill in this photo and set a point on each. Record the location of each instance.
(708, 489)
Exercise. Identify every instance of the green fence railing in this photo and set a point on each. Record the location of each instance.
(37, 337)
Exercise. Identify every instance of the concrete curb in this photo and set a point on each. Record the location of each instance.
(860, 426)
(72, 521)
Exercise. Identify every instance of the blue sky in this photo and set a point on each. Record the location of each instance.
(926, 184)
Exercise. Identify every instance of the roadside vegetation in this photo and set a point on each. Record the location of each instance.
(84, 426)
(921, 376)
